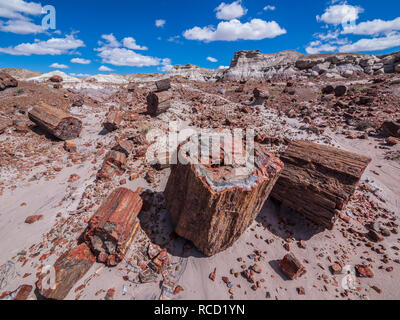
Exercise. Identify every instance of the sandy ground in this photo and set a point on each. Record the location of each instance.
(188, 267)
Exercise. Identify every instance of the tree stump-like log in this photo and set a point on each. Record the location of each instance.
(113, 226)
(113, 120)
(69, 269)
(213, 205)
(55, 121)
(158, 102)
(318, 181)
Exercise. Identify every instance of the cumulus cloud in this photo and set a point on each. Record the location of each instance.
(160, 23)
(340, 13)
(233, 30)
(112, 53)
(317, 47)
(230, 11)
(104, 68)
(80, 61)
(80, 75)
(211, 59)
(373, 27)
(130, 43)
(374, 44)
(58, 66)
(53, 46)
(20, 27)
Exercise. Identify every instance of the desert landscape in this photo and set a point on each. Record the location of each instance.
(85, 214)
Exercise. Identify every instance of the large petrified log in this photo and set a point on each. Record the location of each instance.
(55, 121)
(113, 226)
(212, 204)
(158, 102)
(318, 181)
(7, 81)
(69, 269)
(113, 119)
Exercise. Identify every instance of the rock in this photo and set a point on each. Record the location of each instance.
(78, 101)
(212, 205)
(23, 292)
(158, 102)
(328, 90)
(7, 81)
(340, 91)
(125, 146)
(70, 146)
(317, 180)
(113, 120)
(392, 141)
(391, 128)
(336, 269)
(301, 291)
(364, 271)
(112, 228)
(213, 274)
(56, 78)
(195, 73)
(397, 68)
(69, 269)
(375, 236)
(348, 73)
(33, 219)
(308, 63)
(55, 121)
(110, 294)
(292, 267)
(163, 85)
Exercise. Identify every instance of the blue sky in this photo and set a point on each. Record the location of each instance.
(97, 36)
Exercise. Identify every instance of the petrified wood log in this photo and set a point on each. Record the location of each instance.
(113, 226)
(112, 165)
(113, 120)
(55, 121)
(318, 181)
(124, 146)
(69, 269)
(158, 102)
(7, 81)
(391, 128)
(292, 267)
(213, 204)
(163, 85)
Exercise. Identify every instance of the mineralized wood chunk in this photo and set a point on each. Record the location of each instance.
(164, 84)
(213, 205)
(55, 121)
(7, 81)
(113, 120)
(69, 269)
(158, 102)
(292, 267)
(112, 228)
(392, 128)
(318, 181)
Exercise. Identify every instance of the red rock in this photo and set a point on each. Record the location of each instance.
(364, 271)
(292, 267)
(336, 269)
(33, 219)
(56, 78)
(301, 291)
(23, 292)
(178, 290)
(213, 274)
(110, 294)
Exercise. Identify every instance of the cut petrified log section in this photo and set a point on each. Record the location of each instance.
(292, 267)
(113, 120)
(158, 102)
(55, 121)
(212, 205)
(125, 146)
(318, 181)
(69, 269)
(163, 85)
(391, 128)
(112, 228)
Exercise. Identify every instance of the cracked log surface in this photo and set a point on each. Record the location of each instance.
(113, 226)
(318, 181)
(158, 102)
(214, 205)
(55, 121)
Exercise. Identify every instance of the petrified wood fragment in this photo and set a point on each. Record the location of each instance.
(113, 226)
(292, 267)
(158, 102)
(69, 269)
(7, 81)
(55, 121)
(113, 120)
(213, 204)
(124, 146)
(391, 128)
(163, 85)
(318, 181)
(112, 165)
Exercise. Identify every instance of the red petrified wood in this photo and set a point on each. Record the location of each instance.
(112, 228)
(113, 119)
(318, 180)
(212, 205)
(292, 267)
(69, 269)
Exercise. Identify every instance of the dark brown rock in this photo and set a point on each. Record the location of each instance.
(163, 85)
(7, 81)
(292, 267)
(391, 128)
(113, 120)
(158, 102)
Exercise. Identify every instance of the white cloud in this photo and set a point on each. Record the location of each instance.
(232, 30)
(20, 27)
(111, 41)
(53, 46)
(223, 67)
(373, 27)
(58, 66)
(130, 43)
(374, 44)
(80, 61)
(341, 13)
(160, 23)
(316, 47)
(212, 59)
(230, 11)
(271, 8)
(80, 75)
(15, 8)
(104, 68)
(166, 65)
